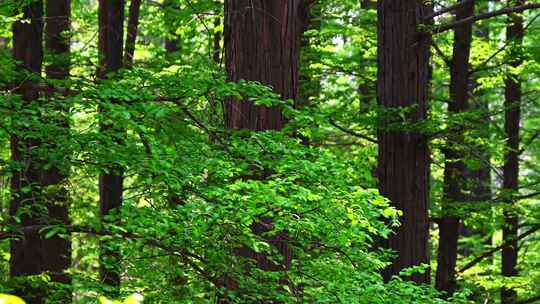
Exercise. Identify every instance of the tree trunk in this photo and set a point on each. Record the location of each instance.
(131, 38)
(111, 16)
(479, 178)
(403, 169)
(262, 43)
(512, 103)
(216, 41)
(27, 256)
(57, 249)
(173, 42)
(454, 171)
(310, 84)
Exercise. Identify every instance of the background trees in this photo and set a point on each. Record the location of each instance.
(188, 176)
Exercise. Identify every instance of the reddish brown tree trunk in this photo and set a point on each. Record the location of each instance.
(27, 255)
(403, 169)
(262, 43)
(57, 249)
(111, 17)
(454, 171)
(131, 38)
(512, 103)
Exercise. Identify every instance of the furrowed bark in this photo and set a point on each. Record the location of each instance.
(403, 169)
(262, 43)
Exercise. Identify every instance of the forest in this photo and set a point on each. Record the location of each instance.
(269, 151)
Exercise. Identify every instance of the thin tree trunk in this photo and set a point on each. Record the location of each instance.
(310, 84)
(454, 171)
(309, 89)
(216, 42)
(27, 256)
(479, 178)
(131, 38)
(111, 17)
(262, 43)
(512, 103)
(403, 169)
(57, 249)
(173, 42)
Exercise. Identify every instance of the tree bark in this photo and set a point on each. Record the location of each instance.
(111, 17)
(57, 249)
(403, 169)
(131, 38)
(512, 103)
(27, 255)
(262, 43)
(454, 171)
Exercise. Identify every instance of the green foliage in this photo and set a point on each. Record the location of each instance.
(194, 191)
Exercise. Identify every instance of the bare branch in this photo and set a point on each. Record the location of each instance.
(505, 11)
(447, 9)
(353, 133)
(490, 252)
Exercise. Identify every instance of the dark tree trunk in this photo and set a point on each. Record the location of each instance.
(262, 43)
(216, 42)
(27, 255)
(131, 38)
(310, 84)
(368, 4)
(479, 178)
(111, 17)
(57, 249)
(173, 42)
(403, 169)
(512, 103)
(454, 171)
